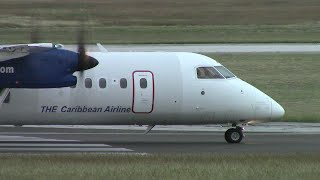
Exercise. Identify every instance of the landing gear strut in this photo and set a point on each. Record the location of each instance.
(234, 135)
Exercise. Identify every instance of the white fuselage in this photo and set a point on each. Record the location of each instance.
(157, 88)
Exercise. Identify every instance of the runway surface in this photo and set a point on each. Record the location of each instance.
(211, 48)
(67, 140)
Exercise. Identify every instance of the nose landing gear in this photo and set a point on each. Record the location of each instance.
(234, 135)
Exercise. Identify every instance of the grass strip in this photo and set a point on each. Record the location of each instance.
(303, 33)
(160, 166)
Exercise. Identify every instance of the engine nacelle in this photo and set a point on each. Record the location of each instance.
(50, 69)
(31, 83)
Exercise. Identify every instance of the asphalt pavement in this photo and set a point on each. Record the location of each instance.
(210, 48)
(93, 140)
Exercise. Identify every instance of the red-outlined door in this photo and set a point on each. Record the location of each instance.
(143, 92)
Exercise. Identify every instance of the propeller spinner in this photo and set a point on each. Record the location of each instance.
(84, 61)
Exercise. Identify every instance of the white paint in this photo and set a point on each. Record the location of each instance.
(6, 70)
(51, 145)
(177, 95)
(270, 127)
(24, 149)
(54, 145)
(6, 138)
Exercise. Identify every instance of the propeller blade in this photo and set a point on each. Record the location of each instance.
(84, 61)
(35, 29)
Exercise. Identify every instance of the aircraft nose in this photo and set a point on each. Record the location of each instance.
(277, 111)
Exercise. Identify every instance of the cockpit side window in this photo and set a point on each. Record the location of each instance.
(208, 73)
(225, 72)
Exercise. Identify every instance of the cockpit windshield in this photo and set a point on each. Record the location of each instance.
(225, 72)
(208, 73)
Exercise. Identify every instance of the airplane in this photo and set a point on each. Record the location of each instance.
(45, 84)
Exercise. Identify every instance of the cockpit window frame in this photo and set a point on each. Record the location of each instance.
(234, 76)
(206, 66)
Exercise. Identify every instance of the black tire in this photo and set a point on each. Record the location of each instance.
(234, 135)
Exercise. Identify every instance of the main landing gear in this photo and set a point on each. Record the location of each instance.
(234, 135)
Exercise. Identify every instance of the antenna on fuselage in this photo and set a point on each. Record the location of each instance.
(101, 48)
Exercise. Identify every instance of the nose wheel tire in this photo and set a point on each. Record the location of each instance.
(234, 135)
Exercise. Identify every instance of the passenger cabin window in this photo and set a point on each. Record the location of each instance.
(208, 73)
(88, 83)
(225, 72)
(143, 83)
(102, 83)
(123, 83)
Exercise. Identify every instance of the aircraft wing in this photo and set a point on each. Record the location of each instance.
(16, 51)
(12, 52)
